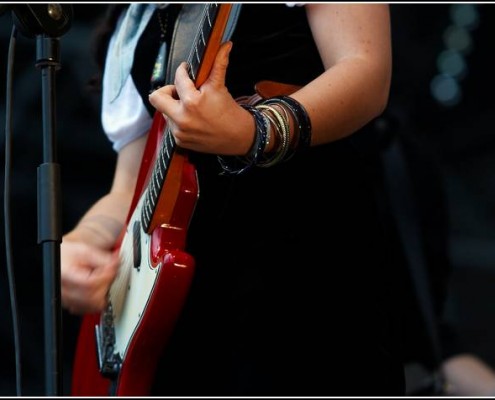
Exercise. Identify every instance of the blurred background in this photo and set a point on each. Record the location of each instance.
(441, 108)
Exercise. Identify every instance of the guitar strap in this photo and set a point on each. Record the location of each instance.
(185, 28)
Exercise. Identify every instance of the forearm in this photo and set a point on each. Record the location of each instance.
(344, 99)
(355, 46)
(102, 223)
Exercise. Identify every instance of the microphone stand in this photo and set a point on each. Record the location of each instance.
(47, 22)
(49, 222)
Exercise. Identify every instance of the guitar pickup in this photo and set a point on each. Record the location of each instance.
(136, 245)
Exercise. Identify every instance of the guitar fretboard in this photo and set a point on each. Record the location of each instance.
(168, 144)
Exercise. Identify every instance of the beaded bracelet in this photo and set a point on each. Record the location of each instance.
(300, 116)
(229, 164)
(282, 131)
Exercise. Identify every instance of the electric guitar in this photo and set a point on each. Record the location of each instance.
(117, 350)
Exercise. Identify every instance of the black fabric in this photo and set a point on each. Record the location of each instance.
(147, 51)
(294, 289)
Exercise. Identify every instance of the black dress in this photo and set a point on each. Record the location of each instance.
(295, 292)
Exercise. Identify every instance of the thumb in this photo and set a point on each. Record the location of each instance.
(219, 69)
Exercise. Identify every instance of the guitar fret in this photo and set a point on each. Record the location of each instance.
(192, 74)
(151, 202)
(160, 170)
(171, 140)
(154, 184)
(145, 215)
(149, 209)
(197, 54)
(168, 147)
(209, 20)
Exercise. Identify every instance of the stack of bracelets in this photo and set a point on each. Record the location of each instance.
(271, 115)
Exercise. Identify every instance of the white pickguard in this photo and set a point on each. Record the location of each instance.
(133, 287)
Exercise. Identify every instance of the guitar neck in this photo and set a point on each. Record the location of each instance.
(207, 39)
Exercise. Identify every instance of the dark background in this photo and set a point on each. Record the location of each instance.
(456, 137)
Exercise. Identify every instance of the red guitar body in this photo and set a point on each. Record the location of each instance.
(175, 270)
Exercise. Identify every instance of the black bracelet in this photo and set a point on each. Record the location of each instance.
(302, 120)
(230, 164)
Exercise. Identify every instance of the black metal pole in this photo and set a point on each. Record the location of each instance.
(49, 220)
(47, 22)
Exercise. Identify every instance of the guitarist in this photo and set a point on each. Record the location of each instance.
(293, 293)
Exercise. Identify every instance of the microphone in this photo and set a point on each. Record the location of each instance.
(34, 19)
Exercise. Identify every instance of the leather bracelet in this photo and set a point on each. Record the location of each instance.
(235, 165)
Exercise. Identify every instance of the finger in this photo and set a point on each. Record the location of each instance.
(86, 277)
(183, 83)
(219, 68)
(87, 292)
(164, 99)
(77, 256)
(97, 266)
(100, 259)
(167, 90)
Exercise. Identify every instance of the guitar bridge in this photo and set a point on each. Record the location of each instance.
(109, 362)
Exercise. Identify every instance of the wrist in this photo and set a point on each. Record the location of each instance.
(100, 231)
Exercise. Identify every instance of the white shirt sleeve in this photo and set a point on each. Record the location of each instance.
(126, 118)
